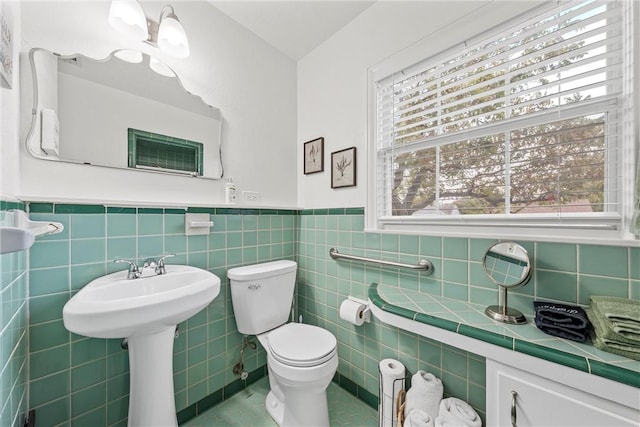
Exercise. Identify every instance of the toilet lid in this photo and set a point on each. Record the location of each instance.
(297, 344)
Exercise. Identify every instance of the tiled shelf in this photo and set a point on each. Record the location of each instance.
(468, 319)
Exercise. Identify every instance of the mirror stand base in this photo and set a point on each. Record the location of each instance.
(505, 314)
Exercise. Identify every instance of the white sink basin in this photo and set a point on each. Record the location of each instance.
(113, 306)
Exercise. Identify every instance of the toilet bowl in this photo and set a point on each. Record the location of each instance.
(301, 359)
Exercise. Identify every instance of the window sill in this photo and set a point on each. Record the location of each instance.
(605, 229)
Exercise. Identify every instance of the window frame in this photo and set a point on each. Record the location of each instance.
(601, 228)
(609, 228)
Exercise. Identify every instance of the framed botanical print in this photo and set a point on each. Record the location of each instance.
(313, 156)
(343, 168)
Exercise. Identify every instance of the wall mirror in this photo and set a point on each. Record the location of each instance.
(126, 111)
(507, 264)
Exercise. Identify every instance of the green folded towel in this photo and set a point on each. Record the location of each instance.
(619, 315)
(625, 328)
(621, 350)
(604, 332)
(618, 309)
(601, 338)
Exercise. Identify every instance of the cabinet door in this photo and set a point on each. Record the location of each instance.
(537, 401)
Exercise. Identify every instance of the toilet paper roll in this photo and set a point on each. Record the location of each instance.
(352, 311)
(392, 373)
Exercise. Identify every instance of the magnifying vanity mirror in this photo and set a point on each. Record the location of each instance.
(126, 111)
(507, 264)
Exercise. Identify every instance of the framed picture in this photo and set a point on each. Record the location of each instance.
(313, 156)
(6, 47)
(343, 168)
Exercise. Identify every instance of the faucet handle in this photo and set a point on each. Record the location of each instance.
(160, 268)
(134, 271)
(132, 264)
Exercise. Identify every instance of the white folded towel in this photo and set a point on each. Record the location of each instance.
(456, 412)
(419, 418)
(425, 394)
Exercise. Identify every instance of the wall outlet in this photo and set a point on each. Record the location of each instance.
(251, 196)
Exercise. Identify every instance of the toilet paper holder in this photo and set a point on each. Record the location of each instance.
(366, 314)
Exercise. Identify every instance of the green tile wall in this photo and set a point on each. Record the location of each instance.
(13, 329)
(83, 381)
(562, 272)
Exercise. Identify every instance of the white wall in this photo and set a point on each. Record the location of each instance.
(232, 69)
(332, 80)
(9, 111)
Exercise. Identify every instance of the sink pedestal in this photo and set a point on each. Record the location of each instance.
(145, 311)
(151, 399)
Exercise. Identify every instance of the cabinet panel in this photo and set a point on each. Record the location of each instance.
(542, 402)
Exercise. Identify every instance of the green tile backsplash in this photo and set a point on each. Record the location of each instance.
(83, 381)
(563, 272)
(13, 329)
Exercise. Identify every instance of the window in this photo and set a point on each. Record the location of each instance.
(521, 128)
(164, 153)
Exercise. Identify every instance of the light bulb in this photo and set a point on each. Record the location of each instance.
(128, 17)
(172, 38)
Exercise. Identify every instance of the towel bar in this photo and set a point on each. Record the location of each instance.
(424, 264)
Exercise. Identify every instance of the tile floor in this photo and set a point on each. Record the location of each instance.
(246, 409)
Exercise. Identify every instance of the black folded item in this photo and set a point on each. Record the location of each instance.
(580, 335)
(560, 315)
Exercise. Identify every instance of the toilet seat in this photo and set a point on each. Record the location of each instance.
(301, 345)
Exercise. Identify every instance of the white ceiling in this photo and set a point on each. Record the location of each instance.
(294, 27)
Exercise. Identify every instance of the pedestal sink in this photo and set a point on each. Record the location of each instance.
(146, 311)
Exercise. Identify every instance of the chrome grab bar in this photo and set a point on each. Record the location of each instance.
(423, 264)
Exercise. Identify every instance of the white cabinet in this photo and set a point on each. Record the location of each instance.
(519, 398)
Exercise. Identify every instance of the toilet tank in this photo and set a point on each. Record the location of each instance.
(262, 295)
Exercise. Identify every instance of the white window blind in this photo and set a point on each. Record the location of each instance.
(522, 122)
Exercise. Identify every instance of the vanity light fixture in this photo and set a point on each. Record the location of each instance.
(171, 37)
(128, 17)
(167, 34)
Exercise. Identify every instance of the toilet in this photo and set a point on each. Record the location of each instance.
(301, 359)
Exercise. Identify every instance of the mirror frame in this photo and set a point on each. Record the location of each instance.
(523, 280)
(503, 313)
(35, 110)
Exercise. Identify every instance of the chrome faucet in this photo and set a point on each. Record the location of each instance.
(149, 263)
(160, 266)
(136, 272)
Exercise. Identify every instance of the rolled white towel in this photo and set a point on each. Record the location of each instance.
(425, 394)
(456, 412)
(419, 418)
